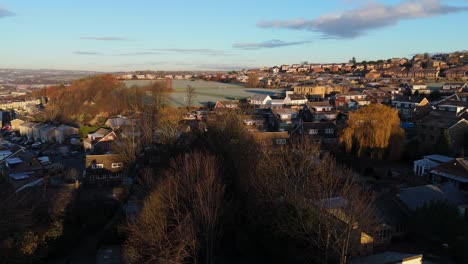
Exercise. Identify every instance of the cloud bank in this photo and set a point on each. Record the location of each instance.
(274, 43)
(356, 22)
(5, 13)
(87, 53)
(105, 38)
(194, 51)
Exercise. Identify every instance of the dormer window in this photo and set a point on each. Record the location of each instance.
(97, 166)
(117, 165)
(280, 141)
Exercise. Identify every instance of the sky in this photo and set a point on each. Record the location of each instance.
(123, 35)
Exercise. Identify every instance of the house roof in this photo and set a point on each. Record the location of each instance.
(227, 104)
(284, 111)
(390, 211)
(297, 97)
(64, 127)
(387, 258)
(46, 127)
(101, 131)
(438, 158)
(260, 97)
(455, 168)
(441, 119)
(27, 124)
(416, 197)
(319, 104)
(409, 99)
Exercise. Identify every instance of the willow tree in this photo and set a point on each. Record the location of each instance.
(374, 130)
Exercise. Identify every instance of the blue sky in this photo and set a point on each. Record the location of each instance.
(118, 35)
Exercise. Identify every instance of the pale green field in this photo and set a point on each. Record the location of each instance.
(207, 91)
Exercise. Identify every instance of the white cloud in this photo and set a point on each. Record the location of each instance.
(274, 43)
(356, 22)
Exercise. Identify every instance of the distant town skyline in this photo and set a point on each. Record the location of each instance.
(206, 35)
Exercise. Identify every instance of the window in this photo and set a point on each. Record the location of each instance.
(329, 131)
(281, 141)
(100, 177)
(97, 166)
(117, 165)
(313, 131)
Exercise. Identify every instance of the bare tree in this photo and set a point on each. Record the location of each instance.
(189, 97)
(180, 218)
(334, 211)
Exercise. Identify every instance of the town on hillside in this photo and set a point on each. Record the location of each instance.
(358, 162)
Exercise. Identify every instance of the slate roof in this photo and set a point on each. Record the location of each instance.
(390, 211)
(409, 99)
(441, 119)
(416, 197)
(297, 97)
(259, 97)
(454, 168)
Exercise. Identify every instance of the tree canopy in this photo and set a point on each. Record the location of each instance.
(371, 130)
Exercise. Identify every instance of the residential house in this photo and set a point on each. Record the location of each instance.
(392, 91)
(423, 166)
(392, 219)
(320, 132)
(22, 168)
(100, 141)
(319, 111)
(377, 96)
(47, 133)
(15, 124)
(452, 87)
(336, 210)
(416, 72)
(103, 170)
(416, 197)
(459, 72)
(420, 88)
(284, 119)
(410, 107)
(295, 99)
(117, 122)
(64, 131)
(271, 141)
(454, 171)
(446, 118)
(26, 129)
(255, 123)
(373, 74)
(261, 100)
(316, 89)
(37, 131)
(351, 100)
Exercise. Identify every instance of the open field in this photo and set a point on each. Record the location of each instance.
(207, 91)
